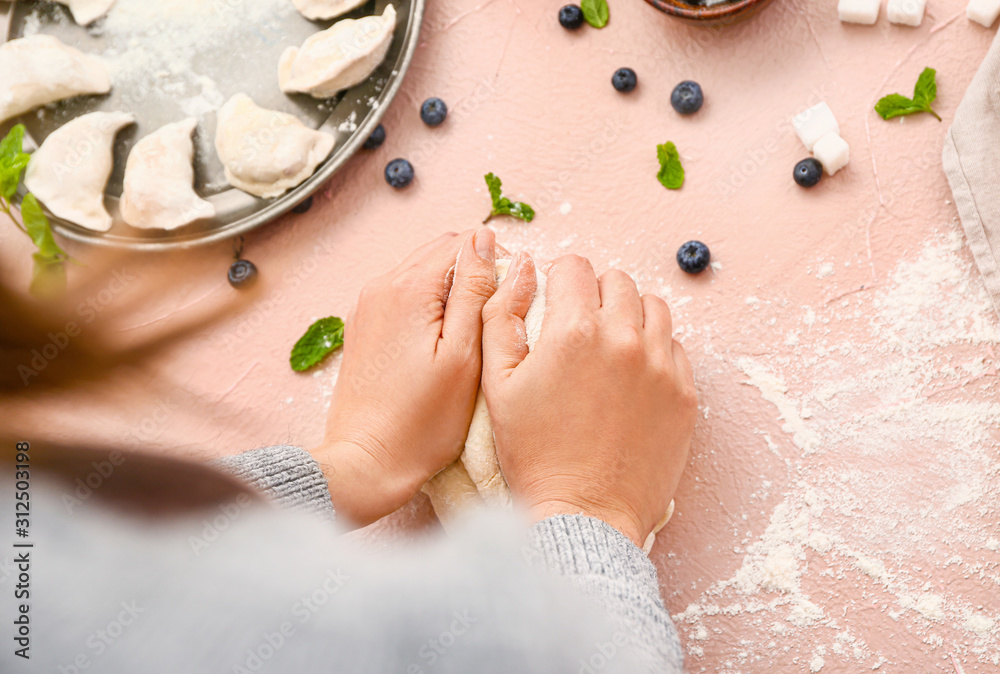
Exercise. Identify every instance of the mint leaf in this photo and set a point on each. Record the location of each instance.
(504, 206)
(321, 339)
(13, 161)
(11, 169)
(494, 185)
(37, 226)
(671, 174)
(924, 94)
(925, 90)
(14, 142)
(48, 277)
(595, 12)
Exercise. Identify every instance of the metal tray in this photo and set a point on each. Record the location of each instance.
(162, 79)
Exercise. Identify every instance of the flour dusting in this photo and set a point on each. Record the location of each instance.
(899, 408)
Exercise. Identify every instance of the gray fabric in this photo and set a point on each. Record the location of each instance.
(249, 588)
(971, 156)
(289, 475)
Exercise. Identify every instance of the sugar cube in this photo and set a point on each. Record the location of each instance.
(832, 152)
(983, 11)
(906, 12)
(814, 123)
(859, 11)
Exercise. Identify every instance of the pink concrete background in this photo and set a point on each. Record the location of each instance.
(842, 506)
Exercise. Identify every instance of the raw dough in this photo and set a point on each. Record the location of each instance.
(87, 11)
(345, 54)
(266, 152)
(40, 69)
(475, 479)
(321, 10)
(159, 180)
(69, 172)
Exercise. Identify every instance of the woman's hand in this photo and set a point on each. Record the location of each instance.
(598, 418)
(411, 370)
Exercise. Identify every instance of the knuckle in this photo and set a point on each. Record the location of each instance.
(480, 285)
(578, 330)
(493, 309)
(688, 395)
(402, 283)
(571, 260)
(628, 343)
(618, 276)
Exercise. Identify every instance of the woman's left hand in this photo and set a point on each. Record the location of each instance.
(411, 370)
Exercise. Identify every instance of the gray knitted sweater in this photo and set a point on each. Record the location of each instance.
(249, 588)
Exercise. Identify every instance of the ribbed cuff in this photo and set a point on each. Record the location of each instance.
(290, 476)
(579, 545)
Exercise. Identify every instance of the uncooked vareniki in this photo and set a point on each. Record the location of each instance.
(476, 478)
(87, 11)
(266, 152)
(321, 10)
(40, 69)
(69, 172)
(159, 179)
(345, 54)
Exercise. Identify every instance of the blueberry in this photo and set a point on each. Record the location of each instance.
(375, 140)
(687, 97)
(303, 207)
(399, 173)
(242, 274)
(693, 257)
(571, 17)
(624, 79)
(808, 172)
(433, 111)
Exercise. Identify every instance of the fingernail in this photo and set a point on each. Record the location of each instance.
(483, 240)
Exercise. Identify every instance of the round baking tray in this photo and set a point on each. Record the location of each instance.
(159, 87)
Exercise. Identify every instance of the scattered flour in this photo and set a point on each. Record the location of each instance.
(896, 477)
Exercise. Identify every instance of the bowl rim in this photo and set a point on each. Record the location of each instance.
(720, 11)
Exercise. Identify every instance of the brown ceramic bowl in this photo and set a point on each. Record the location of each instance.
(724, 13)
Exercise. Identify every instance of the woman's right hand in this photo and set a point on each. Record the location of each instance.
(597, 419)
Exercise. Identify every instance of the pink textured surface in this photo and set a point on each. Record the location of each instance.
(882, 514)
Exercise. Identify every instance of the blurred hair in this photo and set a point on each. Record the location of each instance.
(141, 483)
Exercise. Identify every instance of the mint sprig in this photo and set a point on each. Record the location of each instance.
(504, 206)
(924, 93)
(671, 174)
(49, 275)
(595, 12)
(321, 339)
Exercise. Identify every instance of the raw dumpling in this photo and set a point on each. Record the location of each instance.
(339, 57)
(40, 69)
(69, 172)
(159, 180)
(320, 10)
(266, 152)
(476, 479)
(87, 11)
